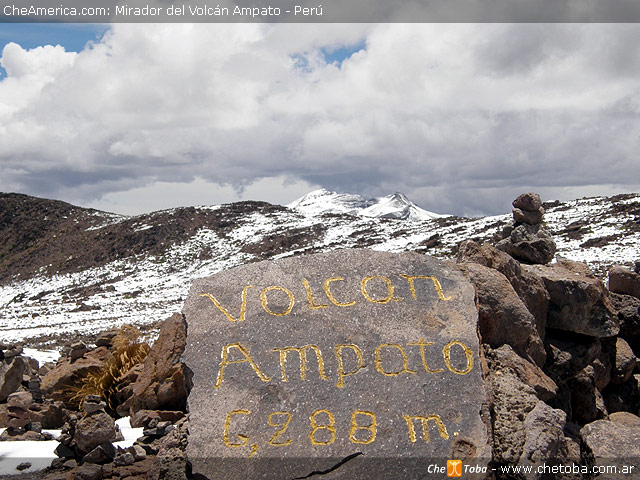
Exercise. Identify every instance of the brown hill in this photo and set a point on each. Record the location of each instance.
(41, 236)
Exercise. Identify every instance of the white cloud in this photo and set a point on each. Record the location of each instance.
(459, 117)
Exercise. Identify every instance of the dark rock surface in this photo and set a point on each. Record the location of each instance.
(368, 307)
(162, 384)
(527, 240)
(579, 302)
(529, 243)
(503, 317)
(624, 280)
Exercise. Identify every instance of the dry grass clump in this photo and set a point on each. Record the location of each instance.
(106, 381)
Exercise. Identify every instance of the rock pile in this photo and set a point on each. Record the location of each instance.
(87, 439)
(527, 240)
(567, 405)
(158, 454)
(24, 409)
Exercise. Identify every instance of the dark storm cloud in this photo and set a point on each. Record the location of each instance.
(459, 117)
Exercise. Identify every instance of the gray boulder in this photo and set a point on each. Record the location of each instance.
(530, 218)
(613, 443)
(530, 244)
(11, 371)
(529, 202)
(528, 286)
(578, 301)
(502, 317)
(624, 280)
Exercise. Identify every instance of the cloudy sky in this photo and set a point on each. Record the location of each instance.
(461, 118)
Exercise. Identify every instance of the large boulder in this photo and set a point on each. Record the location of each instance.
(613, 443)
(11, 371)
(529, 244)
(506, 360)
(528, 286)
(625, 362)
(162, 383)
(627, 309)
(624, 280)
(529, 202)
(68, 374)
(93, 430)
(623, 397)
(502, 316)
(525, 429)
(544, 434)
(578, 301)
(581, 367)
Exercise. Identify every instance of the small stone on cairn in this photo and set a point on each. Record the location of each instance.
(527, 240)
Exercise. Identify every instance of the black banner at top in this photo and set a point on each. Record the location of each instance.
(320, 11)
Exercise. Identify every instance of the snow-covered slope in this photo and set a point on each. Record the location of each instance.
(139, 269)
(396, 206)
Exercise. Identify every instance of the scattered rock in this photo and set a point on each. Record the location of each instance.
(105, 339)
(143, 417)
(23, 466)
(529, 202)
(625, 418)
(611, 443)
(93, 403)
(122, 459)
(12, 351)
(529, 287)
(623, 397)
(23, 400)
(530, 218)
(77, 350)
(511, 401)
(544, 433)
(67, 373)
(103, 453)
(624, 280)
(88, 471)
(628, 312)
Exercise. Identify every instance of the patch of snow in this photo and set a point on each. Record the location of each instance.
(42, 356)
(40, 453)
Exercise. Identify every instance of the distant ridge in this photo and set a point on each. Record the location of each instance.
(67, 270)
(396, 206)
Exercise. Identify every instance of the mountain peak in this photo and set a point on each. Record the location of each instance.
(396, 205)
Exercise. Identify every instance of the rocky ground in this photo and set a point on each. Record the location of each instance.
(559, 362)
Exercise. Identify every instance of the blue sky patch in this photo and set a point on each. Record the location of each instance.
(340, 54)
(73, 37)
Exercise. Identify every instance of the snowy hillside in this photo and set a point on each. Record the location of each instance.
(73, 271)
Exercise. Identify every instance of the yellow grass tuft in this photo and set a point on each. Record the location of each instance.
(107, 381)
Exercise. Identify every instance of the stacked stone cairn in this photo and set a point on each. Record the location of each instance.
(527, 240)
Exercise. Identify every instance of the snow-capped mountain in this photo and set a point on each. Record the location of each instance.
(67, 270)
(396, 206)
